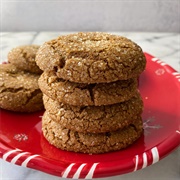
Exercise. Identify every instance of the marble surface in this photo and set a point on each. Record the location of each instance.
(165, 46)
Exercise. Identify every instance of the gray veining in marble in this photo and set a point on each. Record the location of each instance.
(165, 46)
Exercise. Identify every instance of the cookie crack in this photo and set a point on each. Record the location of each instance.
(78, 139)
(33, 94)
(62, 62)
(12, 90)
(23, 53)
(134, 127)
(91, 92)
(26, 55)
(90, 88)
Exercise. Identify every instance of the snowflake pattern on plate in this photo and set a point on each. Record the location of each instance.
(149, 124)
(20, 137)
(160, 71)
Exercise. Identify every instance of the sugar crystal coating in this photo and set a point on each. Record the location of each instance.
(92, 57)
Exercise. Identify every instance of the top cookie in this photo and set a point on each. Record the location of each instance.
(23, 57)
(92, 57)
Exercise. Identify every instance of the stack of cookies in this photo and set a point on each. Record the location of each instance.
(19, 90)
(90, 93)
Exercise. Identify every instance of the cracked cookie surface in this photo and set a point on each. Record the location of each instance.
(91, 143)
(79, 94)
(92, 57)
(19, 90)
(94, 119)
(23, 57)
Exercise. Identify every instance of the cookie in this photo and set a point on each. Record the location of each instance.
(24, 58)
(91, 143)
(92, 57)
(80, 94)
(19, 90)
(94, 119)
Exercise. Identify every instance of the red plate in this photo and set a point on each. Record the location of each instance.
(22, 143)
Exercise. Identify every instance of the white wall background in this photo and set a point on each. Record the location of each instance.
(90, 15)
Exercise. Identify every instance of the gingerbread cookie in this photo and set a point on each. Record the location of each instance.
(19, 90)
(91, 143)
(94, 119)
(92, 57)
(79, 94)
(24, 58)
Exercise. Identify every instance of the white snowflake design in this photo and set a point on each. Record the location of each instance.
(20, 137)
(160, 71)
(149, 124)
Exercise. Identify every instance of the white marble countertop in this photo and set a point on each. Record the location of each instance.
(165, 46)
